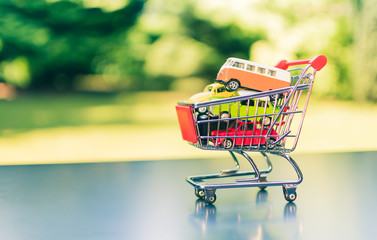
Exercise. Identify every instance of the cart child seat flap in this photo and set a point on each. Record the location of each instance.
(186, 123)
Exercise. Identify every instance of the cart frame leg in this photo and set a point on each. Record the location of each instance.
(234, 170)
(259, 180)
(256, 171)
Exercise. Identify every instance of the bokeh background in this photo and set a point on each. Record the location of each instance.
(97, 80)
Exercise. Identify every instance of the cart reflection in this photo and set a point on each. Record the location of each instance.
(205, 212)
(249, 224)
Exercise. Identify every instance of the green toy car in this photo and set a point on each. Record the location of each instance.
(250, 107)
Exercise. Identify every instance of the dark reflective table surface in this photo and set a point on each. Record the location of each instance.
(151, 200)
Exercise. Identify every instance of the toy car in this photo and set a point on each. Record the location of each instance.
(243, 130)
(205, 128)
(211, 92)
(250, 107)
(236, 73)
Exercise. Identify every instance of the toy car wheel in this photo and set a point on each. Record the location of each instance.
(274, 98)
(199, 193)
(224, 115)
(202, 109)
(202, 116)
(228, 143)
(270, 143)
(266, 121)
(232, 85)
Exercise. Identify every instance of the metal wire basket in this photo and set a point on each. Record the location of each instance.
(268, 122)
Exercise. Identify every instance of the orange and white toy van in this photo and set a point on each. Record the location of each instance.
(237, 73)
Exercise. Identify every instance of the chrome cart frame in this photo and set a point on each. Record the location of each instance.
(266, 122)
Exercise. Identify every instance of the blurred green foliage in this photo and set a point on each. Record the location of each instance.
(55, 42)
(180, 45)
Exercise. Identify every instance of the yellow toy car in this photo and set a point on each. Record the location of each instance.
(211, 92)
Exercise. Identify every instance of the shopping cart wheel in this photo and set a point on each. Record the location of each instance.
(261, 180)
(289, 193)
(210, 198)
(290, 197)
(228, 143)
(199, 193)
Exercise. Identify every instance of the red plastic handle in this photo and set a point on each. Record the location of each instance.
(318, 62)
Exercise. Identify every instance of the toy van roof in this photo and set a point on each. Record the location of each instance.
(256, 64)
(280, 73)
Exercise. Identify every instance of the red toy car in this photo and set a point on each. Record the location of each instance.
(244, 132)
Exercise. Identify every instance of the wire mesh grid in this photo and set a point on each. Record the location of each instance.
(269, 121)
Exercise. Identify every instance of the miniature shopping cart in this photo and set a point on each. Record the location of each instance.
(267, 122)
